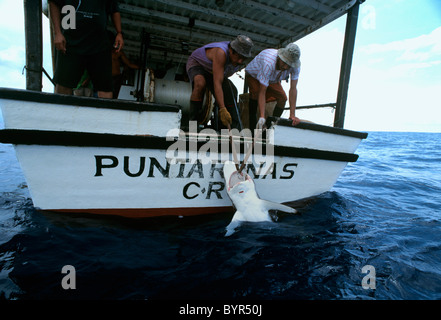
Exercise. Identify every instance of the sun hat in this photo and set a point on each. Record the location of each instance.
(242, 45)
(290, 55)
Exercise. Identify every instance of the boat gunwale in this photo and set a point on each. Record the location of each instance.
(76, 101)
(79, 101)
(316, 127)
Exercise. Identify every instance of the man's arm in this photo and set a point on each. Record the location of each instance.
(219, 59)
(119, 41)
(55, 14)
(261, 100)
(293, 102)
(127, 62)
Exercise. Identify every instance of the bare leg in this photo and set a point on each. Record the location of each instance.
(63, 90)
(199, 84)
(105, 94)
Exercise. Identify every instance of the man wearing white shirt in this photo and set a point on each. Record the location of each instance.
(264, 75)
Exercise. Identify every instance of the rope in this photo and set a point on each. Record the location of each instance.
(256, 136)
(39, 71)
(233, 148)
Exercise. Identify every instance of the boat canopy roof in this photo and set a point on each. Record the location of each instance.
(174, 28)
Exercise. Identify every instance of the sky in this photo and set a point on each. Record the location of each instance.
(395, 83)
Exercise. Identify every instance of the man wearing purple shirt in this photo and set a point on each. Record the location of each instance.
(211, 66)
(264, 75)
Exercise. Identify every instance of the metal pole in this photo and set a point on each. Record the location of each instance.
(235, 105)
(346, 63)
(145, 43)
(34, 44)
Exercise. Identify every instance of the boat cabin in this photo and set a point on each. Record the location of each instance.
(159, 35)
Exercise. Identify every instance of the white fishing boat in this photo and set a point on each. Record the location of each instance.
(139, 158)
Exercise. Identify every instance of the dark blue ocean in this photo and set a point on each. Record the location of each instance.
(384, 213)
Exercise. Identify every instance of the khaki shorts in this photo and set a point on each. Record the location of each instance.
(274, 91)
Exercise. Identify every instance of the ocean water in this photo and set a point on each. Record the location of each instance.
(375, 235)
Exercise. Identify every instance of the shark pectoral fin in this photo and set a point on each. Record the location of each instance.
(269, 205)
(231, 228)
(235, 222)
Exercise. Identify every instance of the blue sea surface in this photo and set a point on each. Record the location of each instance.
(384, 212)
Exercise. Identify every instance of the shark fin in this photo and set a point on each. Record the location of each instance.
(269, 205)
(231, 228)
(235, 222)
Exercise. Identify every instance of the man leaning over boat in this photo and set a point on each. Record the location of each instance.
(264, 75)
(211, 66)
(84, 45)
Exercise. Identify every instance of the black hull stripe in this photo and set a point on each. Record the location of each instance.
(82, 139)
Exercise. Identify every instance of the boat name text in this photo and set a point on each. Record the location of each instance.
(212, 184)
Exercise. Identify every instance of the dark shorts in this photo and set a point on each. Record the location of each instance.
(193, 71)
(70, 67)
(229, 89)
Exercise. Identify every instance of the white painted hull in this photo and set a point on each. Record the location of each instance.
(102, 116)
(304, 138)
(69, 179)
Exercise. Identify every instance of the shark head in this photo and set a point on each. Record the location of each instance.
(242, 190)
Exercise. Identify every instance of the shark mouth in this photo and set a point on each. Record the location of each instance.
(237, 178)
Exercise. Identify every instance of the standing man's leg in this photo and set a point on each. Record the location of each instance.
(62, 89)
(100, 70)
(197, 95)
(253, 87)
(69, 69)
(276, 90)
(199, 84)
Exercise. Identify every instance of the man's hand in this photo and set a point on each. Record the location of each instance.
(225, 116)
(119, 42)
(295, 120)
(260, 123)
(60, 42)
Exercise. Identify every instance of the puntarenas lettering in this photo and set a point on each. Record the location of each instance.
(151, 167)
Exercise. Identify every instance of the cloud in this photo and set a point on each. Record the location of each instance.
(422, 48)
(416, 60)
(387, 100)
(395, 86)
(12, 18)
(12, 46)
(12, 55)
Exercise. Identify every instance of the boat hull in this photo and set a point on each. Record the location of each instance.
(138, 176)
(140, 182)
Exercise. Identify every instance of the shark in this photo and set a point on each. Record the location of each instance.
(249, 207)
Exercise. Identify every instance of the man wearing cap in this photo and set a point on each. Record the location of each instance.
(211, 66)
(264, 75)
